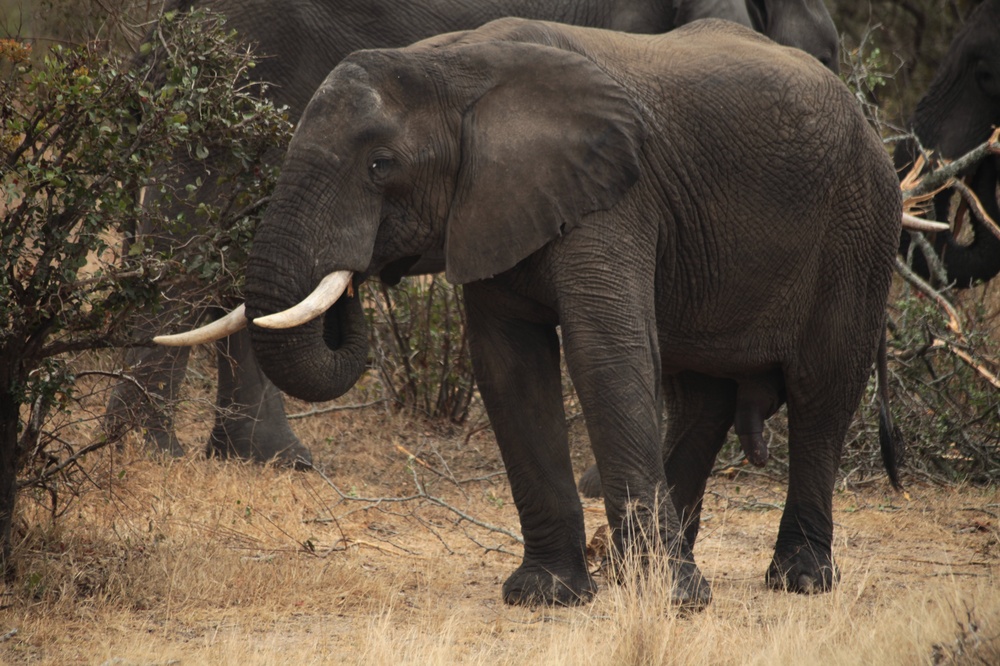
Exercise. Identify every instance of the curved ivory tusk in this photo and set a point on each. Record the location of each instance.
(919, 224)
(319, 301)
(218, 329)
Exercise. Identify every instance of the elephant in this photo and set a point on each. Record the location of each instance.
(699, 213)
(299, 43)
(958, 112)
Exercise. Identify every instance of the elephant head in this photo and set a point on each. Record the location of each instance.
(959, 111)
(803, 24)
(400, 155)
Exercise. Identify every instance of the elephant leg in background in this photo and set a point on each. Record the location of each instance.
(756, 400)
(250, 421)
(516, 364)
(147, 402)
(699, 415)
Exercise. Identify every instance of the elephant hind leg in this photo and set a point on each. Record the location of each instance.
(822, 399)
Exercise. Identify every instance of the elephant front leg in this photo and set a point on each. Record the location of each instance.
(146, 399)
(516, 364)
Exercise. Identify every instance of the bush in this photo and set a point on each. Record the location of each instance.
(83, 134)
(421, 348)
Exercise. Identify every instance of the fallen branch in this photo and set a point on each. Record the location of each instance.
(976, 207)
(333, 408)
(939, 178)
(953, 319)
(919, 224)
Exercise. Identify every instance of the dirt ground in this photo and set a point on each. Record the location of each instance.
(395, 549)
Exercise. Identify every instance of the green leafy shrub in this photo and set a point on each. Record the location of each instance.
(83, 133)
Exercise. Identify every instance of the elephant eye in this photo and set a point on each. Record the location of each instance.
(378, 169)
(983, 76)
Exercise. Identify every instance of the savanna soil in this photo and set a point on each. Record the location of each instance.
(193, 561)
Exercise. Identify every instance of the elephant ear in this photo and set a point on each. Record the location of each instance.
(552, 139)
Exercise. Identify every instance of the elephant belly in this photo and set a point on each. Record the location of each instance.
(729, 358)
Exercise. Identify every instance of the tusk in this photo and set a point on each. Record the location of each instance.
(319, 301)
(919, 224)
(218, 329)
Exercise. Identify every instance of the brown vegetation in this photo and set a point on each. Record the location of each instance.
(195, 561)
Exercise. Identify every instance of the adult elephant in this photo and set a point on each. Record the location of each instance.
(300, 42)
(959, 111)
(629, 219)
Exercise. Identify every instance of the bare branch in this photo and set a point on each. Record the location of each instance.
(938, 178)
(334, 408)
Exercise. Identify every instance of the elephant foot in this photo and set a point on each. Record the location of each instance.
(164, 443)
(806, 571)
(246, 439)
(157, 429)
(535, 585)
(690, 591)
(754, 448)
(589, 484)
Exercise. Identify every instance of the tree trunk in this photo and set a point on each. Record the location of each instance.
(9, 412)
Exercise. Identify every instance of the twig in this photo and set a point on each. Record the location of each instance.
(939, 178)
(932, 258)
(52, 471)
(333, 408)
(976, 206)
(953, 319)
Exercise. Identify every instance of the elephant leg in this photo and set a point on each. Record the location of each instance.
(699, 415)
(146, 400)
(516, 364)
(250, 421)
(615, 367)
(823, 394)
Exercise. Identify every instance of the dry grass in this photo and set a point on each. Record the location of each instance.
(194, 561)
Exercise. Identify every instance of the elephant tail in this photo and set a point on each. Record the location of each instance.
(889, 436)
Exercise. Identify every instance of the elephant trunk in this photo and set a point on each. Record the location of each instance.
(317, 361)
(322, 358)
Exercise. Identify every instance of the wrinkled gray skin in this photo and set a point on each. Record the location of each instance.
(299, 42)
(631, 220)
(959, 112)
